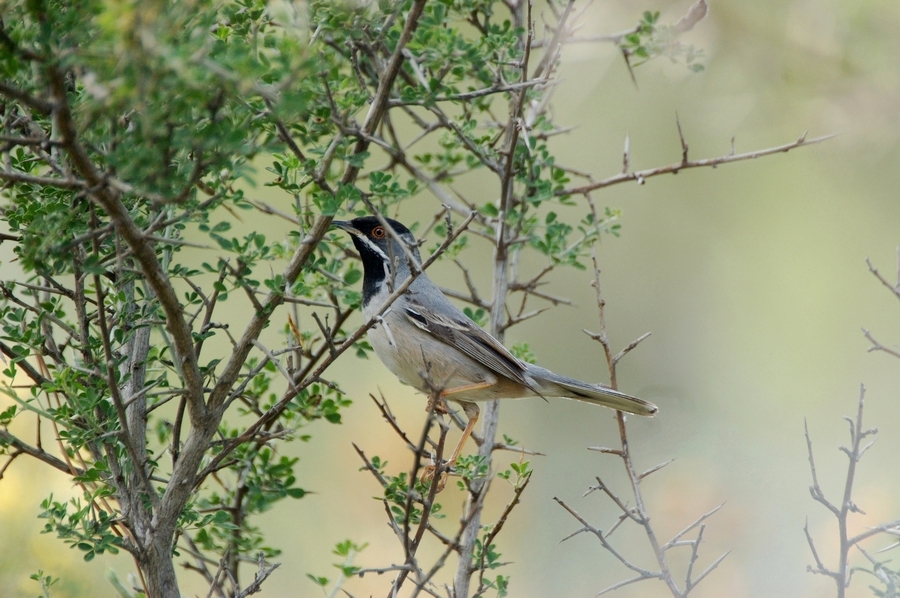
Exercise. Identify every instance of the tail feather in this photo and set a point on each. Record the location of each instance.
(554, 385)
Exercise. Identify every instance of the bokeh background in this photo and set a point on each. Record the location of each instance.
(751, 278)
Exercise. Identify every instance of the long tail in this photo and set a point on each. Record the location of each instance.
(554, 385)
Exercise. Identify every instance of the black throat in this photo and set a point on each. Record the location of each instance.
(374, 271)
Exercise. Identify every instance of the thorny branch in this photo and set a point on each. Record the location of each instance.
(304, 379)
(638, 514)
(202, 406)
(895, 290)
(505, 234)
(413, 501)
(640, 176)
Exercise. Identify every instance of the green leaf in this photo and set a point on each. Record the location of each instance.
(327, 203)
(359, 160)
(352, 276)
(7, 416)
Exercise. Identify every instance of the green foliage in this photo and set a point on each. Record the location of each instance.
(509, 440)
(347, 550)
(470, 468)
(517, 474)
(178, 114)
(45, 580)
(488, 557)
(172, 103)
(652, 39)
(499, 583)
(7, 415)
(478, 315)
(87, 527)
(523, 352)
(397, 491)
(888, 578)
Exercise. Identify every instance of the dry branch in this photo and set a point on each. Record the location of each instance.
(642, 175)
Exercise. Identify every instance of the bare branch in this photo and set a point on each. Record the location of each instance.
(630, 347)
(671, 543)
(641, 175)
(26, 99)
(894, 289)
(39, 454)
(655, 468)
(892, 527)
(478, 93)
(644, 573)
(843, 573)
(623, 583)
(706, 572)
(877, 346)
(43, 181)
(820, 567)
(815, 490)
(261, 575)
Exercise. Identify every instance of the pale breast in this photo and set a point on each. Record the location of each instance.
(425, 363)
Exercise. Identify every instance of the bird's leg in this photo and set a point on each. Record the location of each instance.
(471, 410)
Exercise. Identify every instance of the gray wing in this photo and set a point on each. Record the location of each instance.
(466, 337)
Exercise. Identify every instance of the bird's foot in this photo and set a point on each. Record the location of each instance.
(439, 405)
(429, 471)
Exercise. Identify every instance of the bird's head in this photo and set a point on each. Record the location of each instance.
(377, 247)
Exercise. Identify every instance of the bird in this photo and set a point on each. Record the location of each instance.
(430, 344)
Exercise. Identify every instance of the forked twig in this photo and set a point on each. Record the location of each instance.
(843, 573)
(638, 513)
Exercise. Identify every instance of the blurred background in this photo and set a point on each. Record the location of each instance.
(751, 278)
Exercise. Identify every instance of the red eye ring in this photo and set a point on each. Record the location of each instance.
(378, 232)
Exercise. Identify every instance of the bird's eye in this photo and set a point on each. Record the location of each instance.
(378, 232)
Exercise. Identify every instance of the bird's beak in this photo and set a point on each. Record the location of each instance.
(345, 225)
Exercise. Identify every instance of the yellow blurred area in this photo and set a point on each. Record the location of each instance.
(751, 278)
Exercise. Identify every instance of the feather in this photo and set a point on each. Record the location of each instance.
(465, 336)
(554, 385)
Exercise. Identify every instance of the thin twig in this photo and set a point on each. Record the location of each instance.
(641, 175)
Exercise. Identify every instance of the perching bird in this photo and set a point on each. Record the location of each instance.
(431, 345)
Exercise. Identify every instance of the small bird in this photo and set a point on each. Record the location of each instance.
(431, 345)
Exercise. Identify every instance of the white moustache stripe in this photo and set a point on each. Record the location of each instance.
(375, 248)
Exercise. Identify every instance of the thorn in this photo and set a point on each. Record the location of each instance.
(572, 535)
(684, 145)
(625, 55)
(605, 449)
(594, 335)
